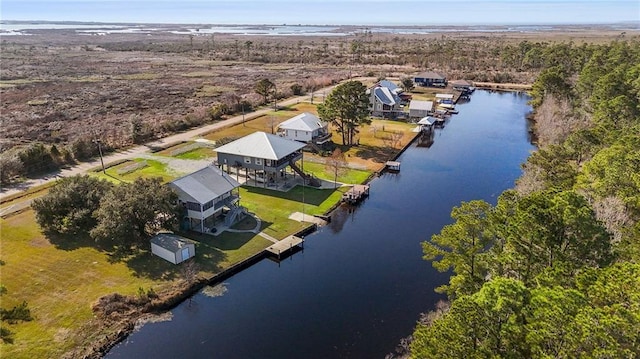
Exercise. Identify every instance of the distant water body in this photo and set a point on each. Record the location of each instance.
(326, 12)
(30, 28)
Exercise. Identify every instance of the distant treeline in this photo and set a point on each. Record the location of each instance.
(553, 269)
(483, 59)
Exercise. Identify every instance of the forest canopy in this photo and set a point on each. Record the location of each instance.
(552, 270)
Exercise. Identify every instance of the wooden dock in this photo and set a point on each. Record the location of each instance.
(283, 246)
(456, 96)
(393, 166)
(356, 194)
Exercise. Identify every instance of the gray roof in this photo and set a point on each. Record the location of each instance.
(429, 75)
(420, 105)
(426, 121)
(303, 122)
(385, 96)
(390, 85)
(170, 241)
(261, 145)
(204, 185)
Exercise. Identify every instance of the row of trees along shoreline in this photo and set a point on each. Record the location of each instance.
(552, 270)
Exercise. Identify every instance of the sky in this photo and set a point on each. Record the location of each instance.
(327, 12)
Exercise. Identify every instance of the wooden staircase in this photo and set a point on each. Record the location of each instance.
(308, 179)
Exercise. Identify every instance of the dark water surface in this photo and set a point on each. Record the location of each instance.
(360, 284)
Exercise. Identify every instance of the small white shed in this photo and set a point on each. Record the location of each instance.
(419, 108)
(172, 248)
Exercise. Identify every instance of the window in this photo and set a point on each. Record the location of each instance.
(259, 161)
(207, 205)
(247, 160)
(192, 206)
(268, 163)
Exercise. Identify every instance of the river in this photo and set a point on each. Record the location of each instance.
(360, 283)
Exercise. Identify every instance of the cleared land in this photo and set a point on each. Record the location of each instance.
(67, 275)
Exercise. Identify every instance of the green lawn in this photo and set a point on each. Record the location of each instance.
(274, 207)
(61, 279)
(262, 123)
(347, 175)
(201, 153)
(215, 253)
(152, 169)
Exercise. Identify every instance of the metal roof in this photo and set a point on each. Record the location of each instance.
(261, 145)
(420, 105)
(390, 85)
(170, 241)
(426, 121)
(429, 75)
(204, 185)
(303, 122)
(385, 96)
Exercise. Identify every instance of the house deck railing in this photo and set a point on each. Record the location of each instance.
(321, 138)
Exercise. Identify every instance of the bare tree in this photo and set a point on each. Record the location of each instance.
(555, 120)
(393, 140)
(336, 164)
(189, 270)
(613, 213)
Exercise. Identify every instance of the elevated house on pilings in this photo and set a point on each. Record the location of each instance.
(208, 196)
(263, 159)
(309, 129)
(465, 87)
(386, 100)
(430, 78)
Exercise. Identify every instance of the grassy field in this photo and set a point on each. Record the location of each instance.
(189, 151)
(265, 123)
(376, 146)
(347, 175)
(201, 153)
(130, 170)
(31, 193)
(61, 278)
(274, 207)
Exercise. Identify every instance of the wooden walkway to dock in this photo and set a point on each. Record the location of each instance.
(287, 244)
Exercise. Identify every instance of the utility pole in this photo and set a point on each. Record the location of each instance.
(99, 142)
(275, 97)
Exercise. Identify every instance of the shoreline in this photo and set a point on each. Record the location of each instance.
(496, 86)
(128, 325)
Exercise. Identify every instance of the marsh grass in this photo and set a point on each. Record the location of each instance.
(138, 76)
(212, 91)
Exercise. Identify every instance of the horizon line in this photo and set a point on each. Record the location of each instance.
(390, 24)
